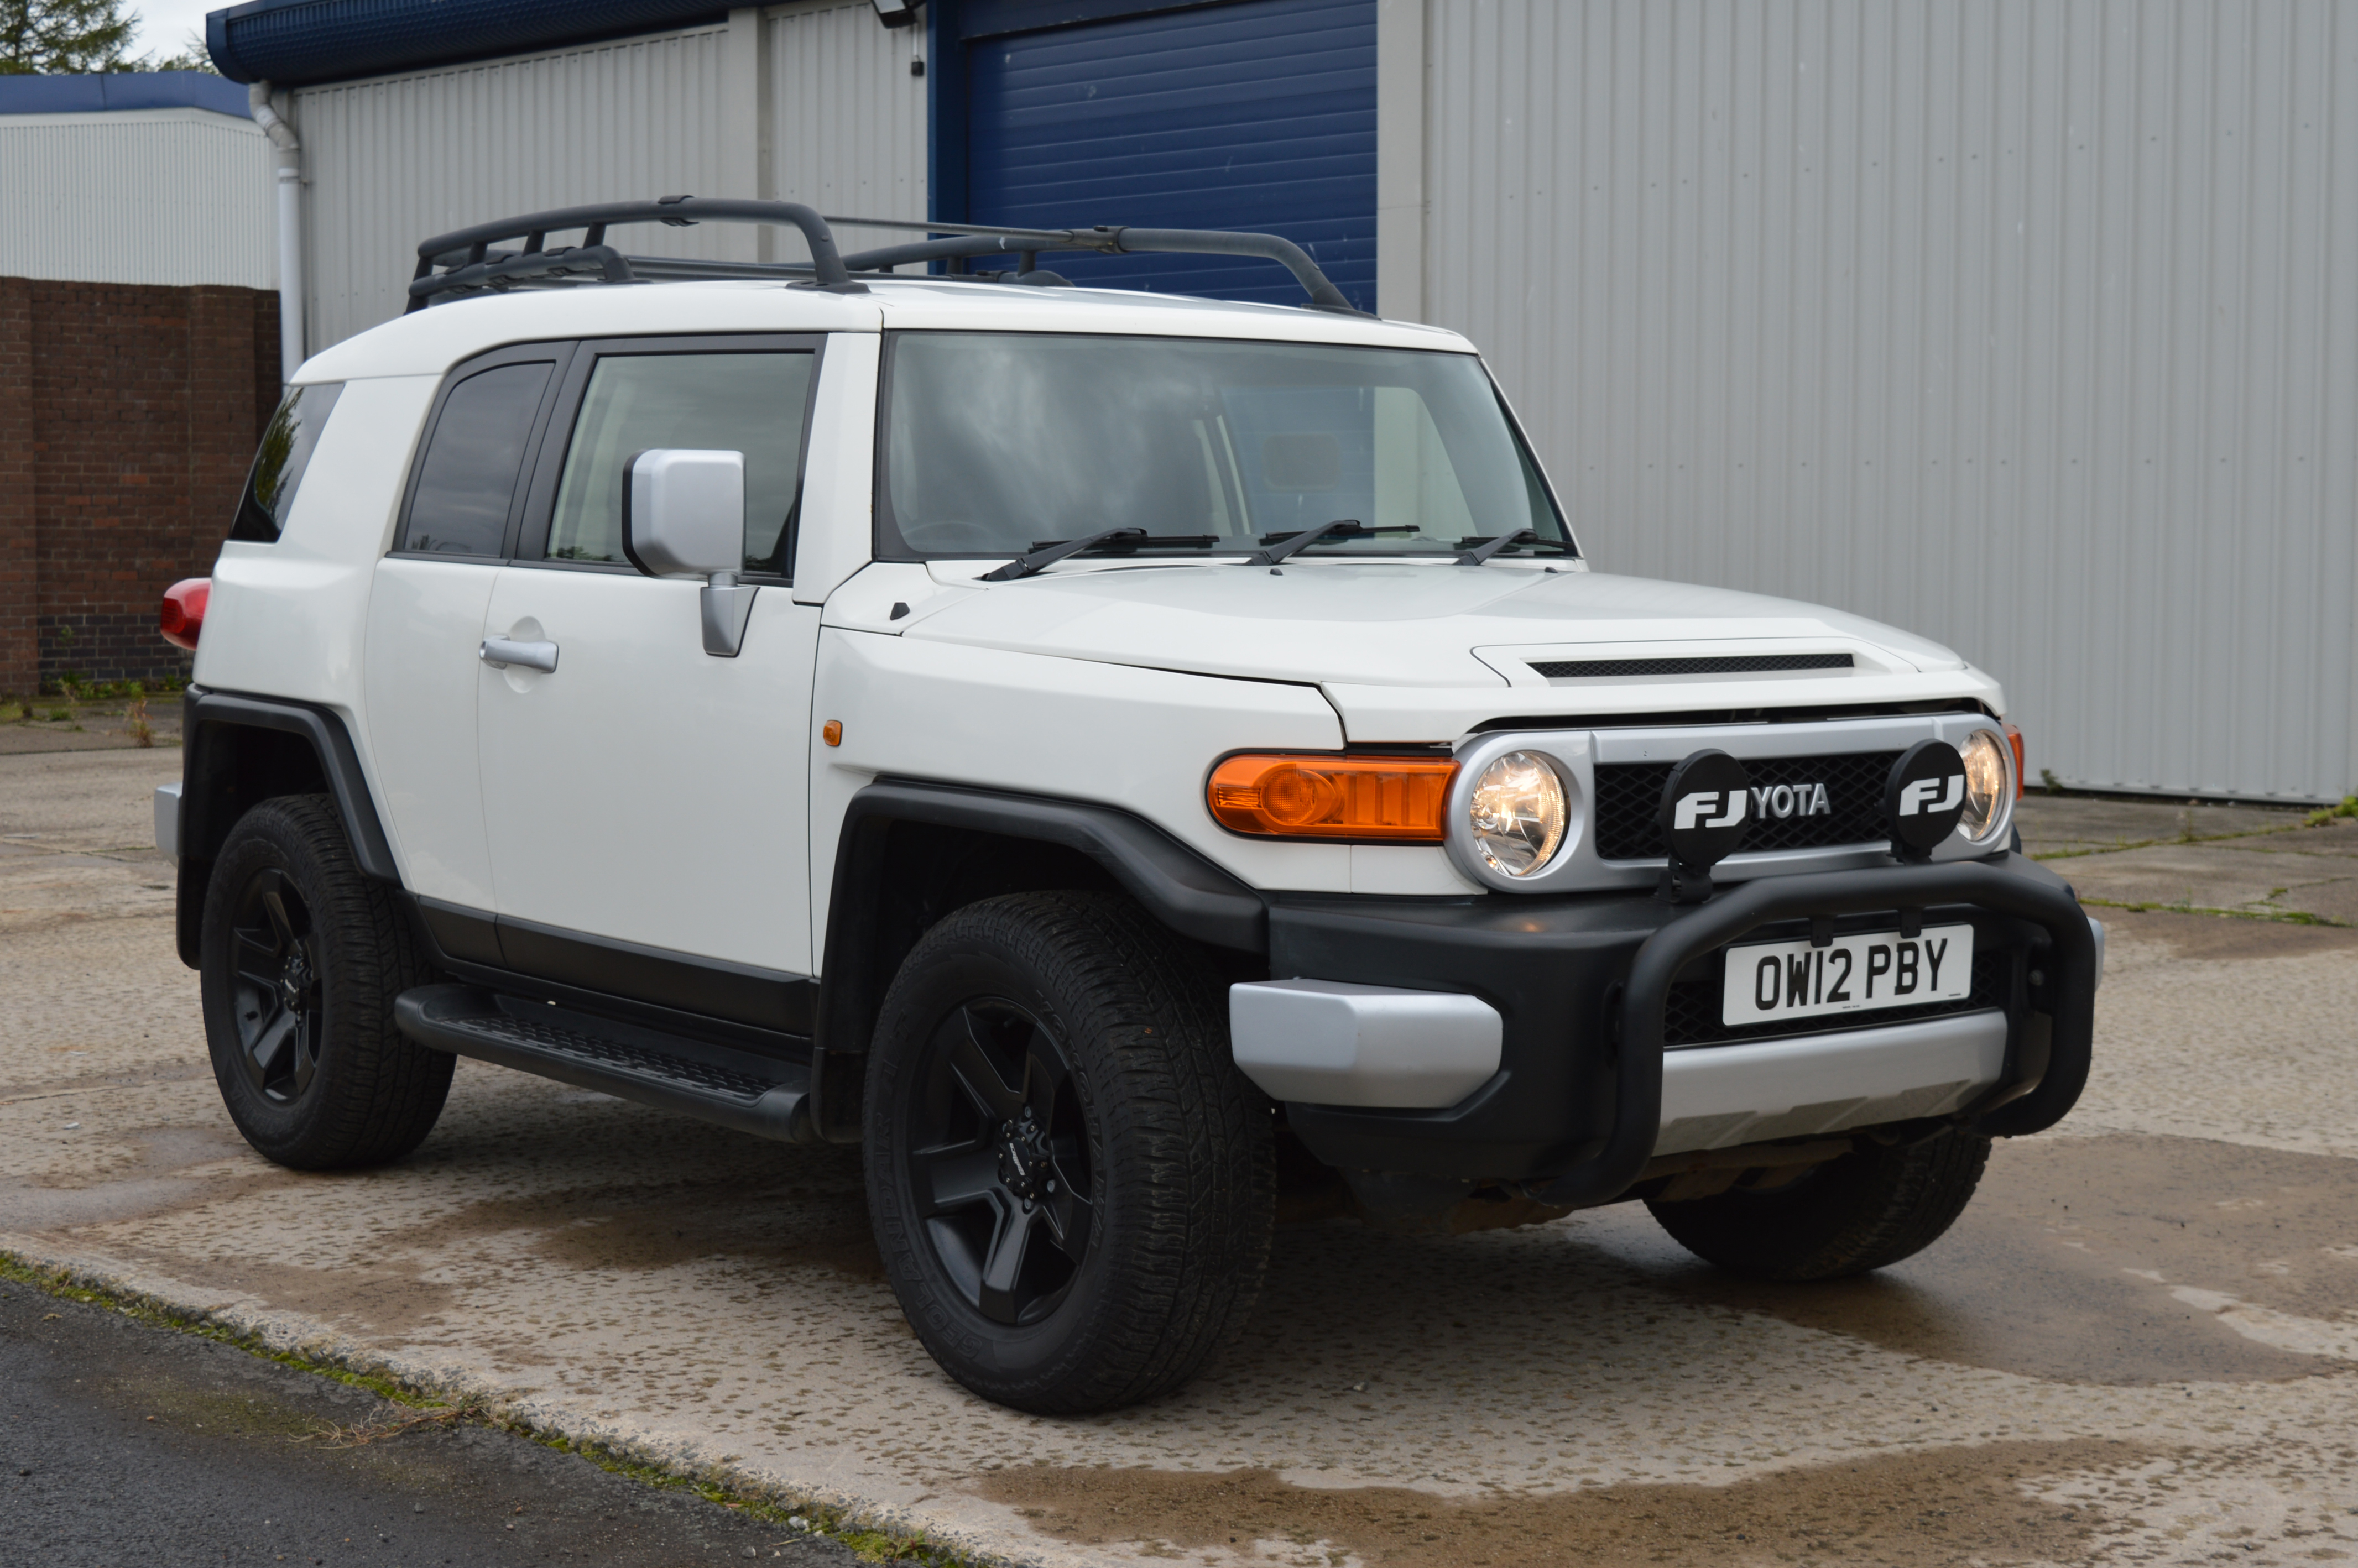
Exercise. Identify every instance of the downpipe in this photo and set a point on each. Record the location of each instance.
(290, 229)
(1998, 887)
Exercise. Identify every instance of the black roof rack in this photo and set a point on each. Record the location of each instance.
(470, 263)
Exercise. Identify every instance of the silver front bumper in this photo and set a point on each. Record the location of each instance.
(1329, 1043)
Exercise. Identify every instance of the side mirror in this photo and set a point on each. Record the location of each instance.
(684, 516)
(684, 512)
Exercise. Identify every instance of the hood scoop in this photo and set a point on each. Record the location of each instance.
(1705, 665)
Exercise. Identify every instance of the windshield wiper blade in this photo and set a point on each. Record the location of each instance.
(1483, 550)
(1123, 546)
(1024, 566)
(1272, 552)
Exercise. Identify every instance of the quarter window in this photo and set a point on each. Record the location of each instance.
(278, 464)
(752, 403)
(467, 484)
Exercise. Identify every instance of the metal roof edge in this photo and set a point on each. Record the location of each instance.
(117, 92)
(307, 43)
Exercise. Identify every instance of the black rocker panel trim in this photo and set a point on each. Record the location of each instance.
(772, 1000)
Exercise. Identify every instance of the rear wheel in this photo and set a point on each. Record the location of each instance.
(1872, 1207)
(302, 958)
(1071, 1186)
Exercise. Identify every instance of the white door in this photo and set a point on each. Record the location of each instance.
(426, 604)
(645, 791)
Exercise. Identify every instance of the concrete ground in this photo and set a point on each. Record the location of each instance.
(2139, 1344)
(55, 724)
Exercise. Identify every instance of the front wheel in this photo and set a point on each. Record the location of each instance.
(302, 956)
(1871, 1208)
(1071, 1186)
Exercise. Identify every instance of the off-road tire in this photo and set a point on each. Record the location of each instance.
(1865, 1210)
(370, 1095)
(1179, 1149)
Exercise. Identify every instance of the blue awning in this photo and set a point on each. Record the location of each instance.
(296, 41)
(120, 91)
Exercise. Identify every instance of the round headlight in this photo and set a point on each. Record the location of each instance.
(1989, 785)
(1517, 813)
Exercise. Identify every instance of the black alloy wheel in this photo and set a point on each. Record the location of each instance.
(1071, 1184)
(277, 997)
(302, 956)
(1000, 1160)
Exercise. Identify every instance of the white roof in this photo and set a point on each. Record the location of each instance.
(428, 343)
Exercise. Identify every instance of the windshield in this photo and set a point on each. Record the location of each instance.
(1001, 443)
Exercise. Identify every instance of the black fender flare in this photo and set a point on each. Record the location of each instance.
(212, 795)
(1174, 883)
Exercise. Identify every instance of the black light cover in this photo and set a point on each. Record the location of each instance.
(1924, 798)
(1706, 807)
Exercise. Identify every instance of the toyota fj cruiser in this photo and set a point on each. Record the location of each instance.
(1081, 746)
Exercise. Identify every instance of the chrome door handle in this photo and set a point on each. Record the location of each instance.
(501, 652)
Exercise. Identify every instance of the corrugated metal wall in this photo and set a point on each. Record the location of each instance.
(822, 109)
(393, 161)
(848, 120)
(2031, 326)
(156, 196)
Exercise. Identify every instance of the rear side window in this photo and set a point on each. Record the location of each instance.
(749, 403)
(278, 465)
(467, 484)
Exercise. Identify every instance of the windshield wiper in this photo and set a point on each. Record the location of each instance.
(1125, 547)
(1048, 556)
(1274, 551)
(1485, 548)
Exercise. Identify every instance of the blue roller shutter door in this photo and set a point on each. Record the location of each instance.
(1255, 115)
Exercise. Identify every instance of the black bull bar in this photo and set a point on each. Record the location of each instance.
(1637, 1100)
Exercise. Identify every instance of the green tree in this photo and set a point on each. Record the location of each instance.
(63, 37)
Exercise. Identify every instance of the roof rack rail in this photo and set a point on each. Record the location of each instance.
(469, 265)
(468, 262)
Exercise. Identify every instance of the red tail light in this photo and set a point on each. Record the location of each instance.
(183, 615)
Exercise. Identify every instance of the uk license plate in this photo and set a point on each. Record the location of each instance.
(1770, 981)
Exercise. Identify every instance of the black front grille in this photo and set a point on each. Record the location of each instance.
(1629, 796)
(1692, 1015)
(1723, 665)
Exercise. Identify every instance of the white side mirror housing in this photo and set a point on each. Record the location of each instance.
(684, 511)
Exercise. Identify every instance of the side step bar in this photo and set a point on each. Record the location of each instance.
(732, 1088)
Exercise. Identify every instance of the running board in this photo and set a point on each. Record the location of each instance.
(731, 1088)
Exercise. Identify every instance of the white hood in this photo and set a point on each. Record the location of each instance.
(1424, 652)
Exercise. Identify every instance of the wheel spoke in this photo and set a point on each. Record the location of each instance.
(956, 1177)
(299, 1052)
(271, 1044)
(257, 961)
(1043, 1079)
(1068, 1216)
(1004, 1267)
(979, 1074)
(274, 905)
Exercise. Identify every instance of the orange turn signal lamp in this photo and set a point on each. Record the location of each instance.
(1365, 800)
(2013, 739)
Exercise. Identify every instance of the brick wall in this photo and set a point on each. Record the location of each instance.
(128, 414)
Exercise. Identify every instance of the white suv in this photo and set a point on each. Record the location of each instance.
(1094, 750)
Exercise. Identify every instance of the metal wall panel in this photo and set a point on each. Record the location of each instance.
(391, 161)
(2029, 324)
(161, 196)
(848, 120)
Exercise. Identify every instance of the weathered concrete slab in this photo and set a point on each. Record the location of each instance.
(2139, 1341)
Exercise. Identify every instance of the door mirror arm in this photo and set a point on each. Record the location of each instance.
(725, 603)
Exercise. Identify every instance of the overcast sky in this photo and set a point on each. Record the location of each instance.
(163, 23)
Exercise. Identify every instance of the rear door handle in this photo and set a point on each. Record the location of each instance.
(501, 652)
